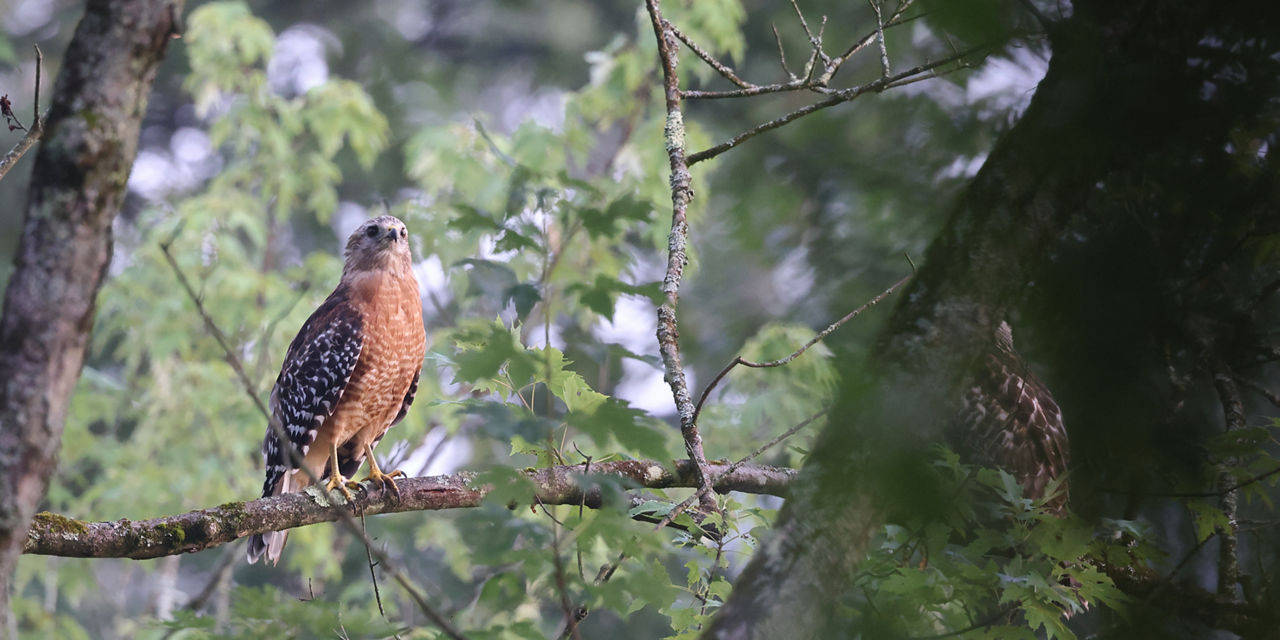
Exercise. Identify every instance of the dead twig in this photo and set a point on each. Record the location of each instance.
(807, 83)
(798, 352)
(1271, 396)
(606, 571)
(33, 134)
(221, 567)
(884, 52)
(711, 61)
(688, 502)
(373, 576)
(837, 97)
(782, 54)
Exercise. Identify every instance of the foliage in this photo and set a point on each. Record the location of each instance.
(533, 247)
(993, 564)
(538, 239)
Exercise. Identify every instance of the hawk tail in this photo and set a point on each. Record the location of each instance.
(270, 543)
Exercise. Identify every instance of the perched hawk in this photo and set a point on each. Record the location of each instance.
(349, 375)
(1009, 420)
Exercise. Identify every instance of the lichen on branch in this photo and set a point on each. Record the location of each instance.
(57, 535)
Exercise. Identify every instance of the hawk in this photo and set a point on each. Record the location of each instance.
(349, 375)
(1009, 420)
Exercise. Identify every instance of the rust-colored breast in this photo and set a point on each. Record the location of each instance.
(394, 344)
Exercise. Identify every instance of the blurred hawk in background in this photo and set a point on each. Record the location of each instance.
(349, 375)
(1009, 420)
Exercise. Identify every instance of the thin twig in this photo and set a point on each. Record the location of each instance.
(224, 563)
(37, 125)
(894, 20)
(980, 624)
(36, 121)
(884, 52)
(1205, 494)
(1167, 579)
(797, 83)
(782, 54)
(15, 154)
(711, 61)
(562, 586)
(373, 576)
(837, 97)
(805, 25)
(774, 442)
(607, 570)
(711, 576)
(234, 361)
(493, 145)
(797, 353)
(1270, 395)
(687, 502)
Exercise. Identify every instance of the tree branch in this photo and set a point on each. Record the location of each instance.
(711, 61)
(837, 97)
(681, 193)
(795, 83)
(37, 124)
(1234, 420)
(56, 535)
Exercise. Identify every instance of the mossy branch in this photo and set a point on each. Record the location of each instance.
(57, 535)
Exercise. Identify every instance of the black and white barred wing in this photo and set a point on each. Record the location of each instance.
(315, 373)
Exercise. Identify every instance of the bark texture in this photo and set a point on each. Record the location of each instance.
(1117, 89)
(77, 185)
(198, 530)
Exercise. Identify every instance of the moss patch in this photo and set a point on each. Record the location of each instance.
(231, 515)
(55, 523)
(169, 533)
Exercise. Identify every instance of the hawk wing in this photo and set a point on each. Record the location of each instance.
(1010, 420)
(316, 370)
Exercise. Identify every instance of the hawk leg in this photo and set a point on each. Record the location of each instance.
(336, 481)
(385, 480)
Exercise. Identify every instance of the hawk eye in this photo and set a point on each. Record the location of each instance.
(371, 231)
(404, 233)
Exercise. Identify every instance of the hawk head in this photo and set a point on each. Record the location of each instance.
(377, 244)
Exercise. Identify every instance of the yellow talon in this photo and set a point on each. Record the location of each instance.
(384, 480)
(336, 480)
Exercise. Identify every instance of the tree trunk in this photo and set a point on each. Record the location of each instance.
(1118, 88)
(77, 185)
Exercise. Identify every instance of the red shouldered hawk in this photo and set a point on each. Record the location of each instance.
(1009, 420)
(349, 375)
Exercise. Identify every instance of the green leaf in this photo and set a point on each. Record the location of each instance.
(632, 428)
(1207, 519)
(523, 296)
(483, 350)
